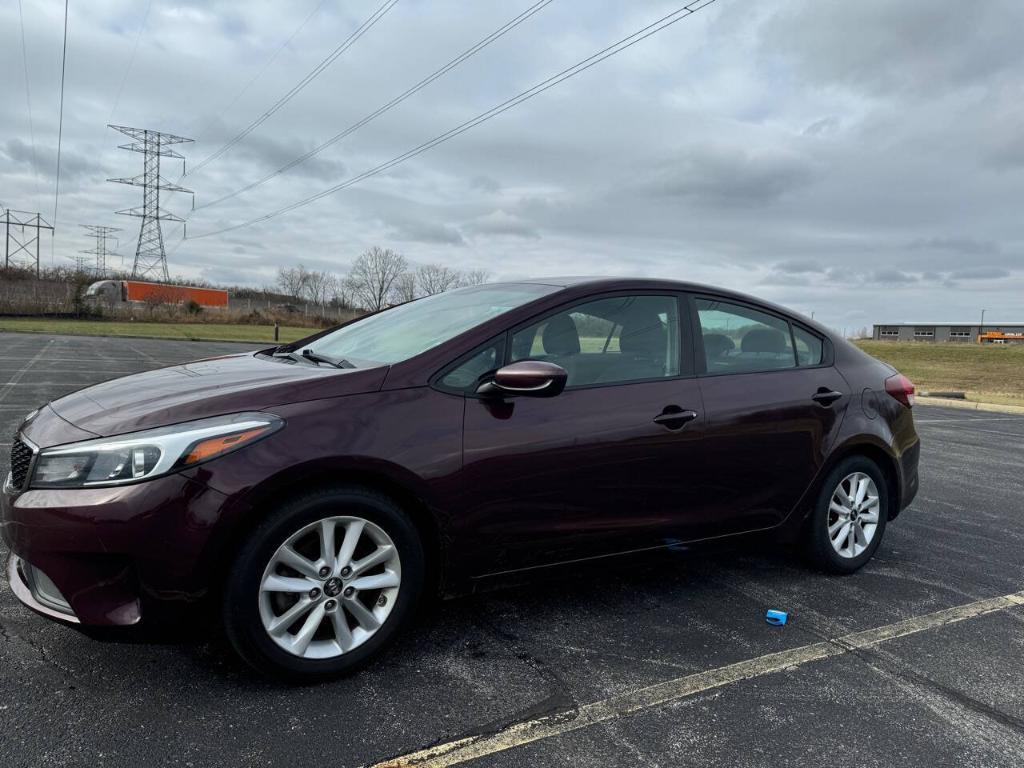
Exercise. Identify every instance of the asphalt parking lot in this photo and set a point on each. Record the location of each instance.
(917, 660)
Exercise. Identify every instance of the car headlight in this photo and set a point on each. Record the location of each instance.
(138, 456)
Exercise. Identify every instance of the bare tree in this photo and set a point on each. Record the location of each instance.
(434, 278)
(339, 292)
(292, 280)
(373, 277)
(404, 288)
(474, 277)
(317, 287)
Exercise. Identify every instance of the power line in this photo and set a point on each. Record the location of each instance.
(266, 66)
(60, 123)
(131, 60)
(312, 75)
(507, 27)
(28, 99)
(565, 74)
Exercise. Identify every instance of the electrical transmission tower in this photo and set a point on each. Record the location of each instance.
(21, 240)
(100, 251)
(150, 256)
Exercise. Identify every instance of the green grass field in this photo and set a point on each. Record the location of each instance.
(179, 331)
(989, 373)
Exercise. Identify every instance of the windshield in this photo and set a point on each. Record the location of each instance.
(407, 330)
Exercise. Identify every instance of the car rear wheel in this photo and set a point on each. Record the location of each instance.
(323, 584)
(849, 518)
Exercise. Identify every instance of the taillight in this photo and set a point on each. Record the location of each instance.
(901, 388)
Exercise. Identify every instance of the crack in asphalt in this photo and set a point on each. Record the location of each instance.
(43, 654)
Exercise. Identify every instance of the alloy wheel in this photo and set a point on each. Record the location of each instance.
(853, 514)
(329, 587)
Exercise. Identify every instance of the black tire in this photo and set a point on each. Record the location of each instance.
(817, 545)
(240, 607)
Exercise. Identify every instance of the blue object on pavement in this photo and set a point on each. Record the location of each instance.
(777, 618)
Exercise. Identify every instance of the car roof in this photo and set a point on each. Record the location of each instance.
(648, 283)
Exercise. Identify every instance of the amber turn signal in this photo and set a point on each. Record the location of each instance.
(207, 449)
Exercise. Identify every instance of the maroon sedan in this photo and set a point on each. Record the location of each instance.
(314, 493)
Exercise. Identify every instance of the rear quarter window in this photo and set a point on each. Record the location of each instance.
(810, 349)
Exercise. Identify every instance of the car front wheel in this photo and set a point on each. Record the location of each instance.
(323, 584)
(849, 518)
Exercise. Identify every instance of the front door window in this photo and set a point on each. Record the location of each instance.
(608, 341)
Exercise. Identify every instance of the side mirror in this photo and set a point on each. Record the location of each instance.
(530, 378)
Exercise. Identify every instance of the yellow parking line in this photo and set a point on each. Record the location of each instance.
(527, 731)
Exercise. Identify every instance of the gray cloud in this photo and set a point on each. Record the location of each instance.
(717, 175)
(502, 223)
(420, 231)
(484, 183)
(892, 276)
(962, 245)
(979, 273)
(823, 127)
(799, 266)
(73, 165)
(881, 46)
(271, 154)
(824, 155)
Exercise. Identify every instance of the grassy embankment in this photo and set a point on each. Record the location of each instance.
(178, 331)
(987, 373)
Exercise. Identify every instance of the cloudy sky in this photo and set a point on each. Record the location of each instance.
(860, 160)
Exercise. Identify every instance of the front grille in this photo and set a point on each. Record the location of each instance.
(21, 461)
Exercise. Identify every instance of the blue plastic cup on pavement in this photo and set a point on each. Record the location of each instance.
(776, 618)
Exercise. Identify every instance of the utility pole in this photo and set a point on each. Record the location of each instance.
(23, 244)
(150, 256)
(100, 251)
(981, 328)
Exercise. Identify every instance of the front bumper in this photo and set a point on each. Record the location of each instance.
(37, 591)
(108, 557)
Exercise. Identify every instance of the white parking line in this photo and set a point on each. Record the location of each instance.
(9, 386)
(88, 358)
(995, 432)
(970, 418)
(622, 705)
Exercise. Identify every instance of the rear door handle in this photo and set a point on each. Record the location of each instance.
(674, 417)
(826, 396)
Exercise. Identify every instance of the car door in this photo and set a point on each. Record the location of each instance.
(608, 464)
(774, 405)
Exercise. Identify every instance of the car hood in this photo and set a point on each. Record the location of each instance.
(210, 387)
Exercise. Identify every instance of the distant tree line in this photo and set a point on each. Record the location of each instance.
(379, 278)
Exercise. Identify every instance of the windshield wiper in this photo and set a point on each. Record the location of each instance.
(316, 357)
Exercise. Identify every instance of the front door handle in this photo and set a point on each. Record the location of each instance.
(826, 396)
(674, 417)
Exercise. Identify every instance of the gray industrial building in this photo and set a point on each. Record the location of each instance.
(964, 332)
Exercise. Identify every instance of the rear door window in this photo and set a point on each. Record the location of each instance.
(739, 339)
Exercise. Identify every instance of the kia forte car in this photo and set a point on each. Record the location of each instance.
(313, 494)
